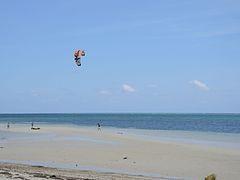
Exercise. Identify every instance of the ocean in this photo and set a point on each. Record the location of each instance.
(218, 123)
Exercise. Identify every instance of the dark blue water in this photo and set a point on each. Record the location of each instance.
(222, 123)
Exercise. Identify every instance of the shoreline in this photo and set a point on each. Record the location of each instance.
(23, 171)
(79, 167)
(209, 139)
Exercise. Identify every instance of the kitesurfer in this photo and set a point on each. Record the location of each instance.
(77, 56)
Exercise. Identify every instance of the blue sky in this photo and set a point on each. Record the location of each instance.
(141, 56)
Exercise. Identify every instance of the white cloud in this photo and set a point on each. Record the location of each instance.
(200, 85)
(127, 88)
(105, 92)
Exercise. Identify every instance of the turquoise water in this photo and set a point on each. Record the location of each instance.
(221, 123)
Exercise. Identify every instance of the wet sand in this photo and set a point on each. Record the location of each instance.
(113, 151)
(26, 172)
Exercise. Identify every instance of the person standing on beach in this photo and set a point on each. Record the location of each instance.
(8, 125)
(32, 125)
(99, 127)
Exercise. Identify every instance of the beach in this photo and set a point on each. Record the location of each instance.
(112, 153)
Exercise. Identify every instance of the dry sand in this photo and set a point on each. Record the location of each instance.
(80, 148)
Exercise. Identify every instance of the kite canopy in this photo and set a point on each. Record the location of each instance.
(79, 53)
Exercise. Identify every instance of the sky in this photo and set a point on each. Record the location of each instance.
(156, 56)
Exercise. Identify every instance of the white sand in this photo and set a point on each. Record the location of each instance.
(68, 146)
